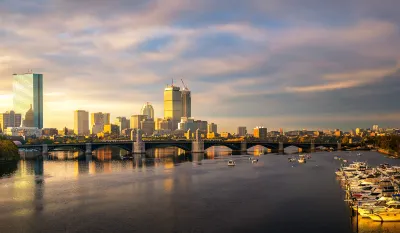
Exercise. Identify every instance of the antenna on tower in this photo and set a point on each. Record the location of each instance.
(172, 82)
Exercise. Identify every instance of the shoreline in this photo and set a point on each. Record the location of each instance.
(388, 152)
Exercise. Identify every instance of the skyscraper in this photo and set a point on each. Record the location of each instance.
(81, 122)
(28, 93)
(135, 121)
(260, 132)
(9, 119)
(122, 123)
(186, 102)
(147, 110)
(98, 120)
(212, 128)
(173, 105)
(242, 131)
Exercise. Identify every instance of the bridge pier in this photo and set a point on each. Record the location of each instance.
(45, 149)
(198, 144)
(281, 150)
(139, 146)
(88, 148)
(312, 147)
(339, 146)
(243, 146)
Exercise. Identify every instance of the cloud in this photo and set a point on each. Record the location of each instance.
(249, 59)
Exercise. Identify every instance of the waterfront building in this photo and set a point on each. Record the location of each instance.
(24, 131)
(202, 126)
(165, 125)
(186, 124)
(225, 135)
(260, 132)
(81, 122)
(9, 119)
(212, 128)
(98, 120)
(173, 105)
(126, 132)
(147, 110)
(111, 129)
(338, 133)
(375, 128)
(241, 131)
(28, 95)
(358, 131)
(135, 121)
(212, 135)
(122, 123)
(49, 131)
(147, 126)
(157, 123)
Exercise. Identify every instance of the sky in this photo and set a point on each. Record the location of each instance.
(292, 64)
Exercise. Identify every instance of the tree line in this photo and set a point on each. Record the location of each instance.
(8, 150)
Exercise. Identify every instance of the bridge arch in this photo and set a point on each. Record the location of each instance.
(52, 148)
(123, 147)
(231, 146)
(185, 147)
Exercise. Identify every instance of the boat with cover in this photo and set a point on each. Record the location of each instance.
(231, 163)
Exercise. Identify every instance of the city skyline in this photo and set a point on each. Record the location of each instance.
(294, 69)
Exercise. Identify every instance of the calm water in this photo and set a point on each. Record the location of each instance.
(173, 192)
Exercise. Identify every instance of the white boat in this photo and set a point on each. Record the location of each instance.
(254, 161)
(231, 163)
(385, 217)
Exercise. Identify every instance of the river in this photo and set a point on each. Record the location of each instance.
(169, 191)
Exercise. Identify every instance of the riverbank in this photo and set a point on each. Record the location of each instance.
(389, 152)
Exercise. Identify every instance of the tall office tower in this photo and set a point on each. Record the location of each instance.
(212, 128)
(186, 103)
(9, 119)
(81, 122)
(173, 105)
(201, 125)
(241, 131)
(375, 128)
(135, 121)
(98, 120)
(28, 94)
(157, 123)
(147, 110)
(260, 132)
(147, 126)
(122, 123)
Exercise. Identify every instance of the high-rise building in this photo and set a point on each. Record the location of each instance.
(165, 124)
(358, 131)
(375, 128)
(157, 123)
(147, 110)
(98, 120)
(201, 125)
(186, 102)
(186, 124)
(81, 122)
(122, 123)
(241, 131)
(135, 121)
(28, 94)
(9, 119)
(173, 105)
(260, 132)
(212, 128)
(147, 126)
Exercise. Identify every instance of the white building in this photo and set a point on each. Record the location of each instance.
(23, 131)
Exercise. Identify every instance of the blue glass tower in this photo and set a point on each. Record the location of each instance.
(28, 91)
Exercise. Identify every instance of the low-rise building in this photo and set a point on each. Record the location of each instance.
(23, 131)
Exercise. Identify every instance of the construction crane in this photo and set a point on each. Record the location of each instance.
(184, 85)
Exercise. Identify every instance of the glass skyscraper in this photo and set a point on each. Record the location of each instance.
(28, 91)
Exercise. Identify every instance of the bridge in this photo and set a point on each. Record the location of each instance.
(194, 146)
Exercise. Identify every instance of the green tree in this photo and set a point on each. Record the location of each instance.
(8, 150)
